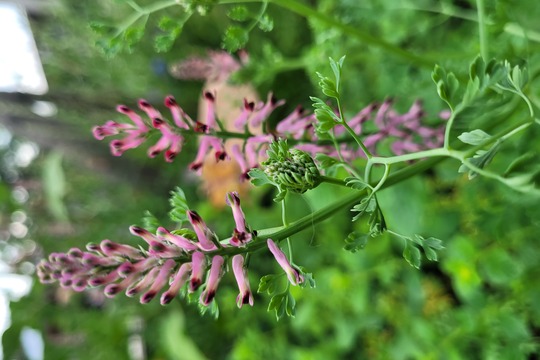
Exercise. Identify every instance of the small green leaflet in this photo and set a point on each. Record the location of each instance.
(355, 241)
(258, 177)
(179, 206)
(283, 304)
(481, 159)
(475, 137)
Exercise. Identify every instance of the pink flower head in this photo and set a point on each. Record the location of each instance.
(198, 265)
(294, 276)
(241, 235)
(201, 230)
(245, 296)
(213, 280)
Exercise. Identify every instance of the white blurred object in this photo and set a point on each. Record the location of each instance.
(32, 343)
(20, 65)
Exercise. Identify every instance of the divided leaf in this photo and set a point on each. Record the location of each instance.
(179, 206)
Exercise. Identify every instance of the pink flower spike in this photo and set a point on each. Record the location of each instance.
(176, 112)
(179, 279)
(175, 148)
(198, 265)
(201, 230)
(213, 280)
(161, 280)
(245, 296)
(294, 277)
(180, 241)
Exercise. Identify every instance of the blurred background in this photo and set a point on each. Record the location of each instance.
(60, 188)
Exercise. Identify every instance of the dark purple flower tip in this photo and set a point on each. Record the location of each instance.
(206, 300)
(92, 247)
(170, 101)
(116, 144)
(56, 274)
(152, 154)
(221, 155)
(166, 298)
(200, 127)
(112, 290)
(209, 96)
(249, 105)
(98, 132)
(246, 298)
(194, 284)
(157, 122)
(75, 253)
(194, 217)
(157, 247)
(97, 281)
(143, 104)
(123, 109)
(170, 155)
(126, 269)
(195, 166)
(79, 285)
(273, 100)
(131, 292)
(147, 297)
(244, 176)
(108, 245)
(138, 231)
(66, 282)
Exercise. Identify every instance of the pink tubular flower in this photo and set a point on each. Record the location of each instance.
(202, 231)
(198, 266)
(179, 279)
(160, 281)
(294, 276)
(213, 280)
(245, 296)
(180, 241)
(241, 235)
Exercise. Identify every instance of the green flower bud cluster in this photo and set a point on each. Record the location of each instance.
(292, 170)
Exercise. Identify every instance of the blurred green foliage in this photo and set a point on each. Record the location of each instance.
(480, 300)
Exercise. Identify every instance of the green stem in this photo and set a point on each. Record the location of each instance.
(482, 29)
(352, 132)
(331, 180)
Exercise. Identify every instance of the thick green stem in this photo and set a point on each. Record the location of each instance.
(482, 29)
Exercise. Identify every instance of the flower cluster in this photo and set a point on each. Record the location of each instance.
(171, 262)
(406, 131)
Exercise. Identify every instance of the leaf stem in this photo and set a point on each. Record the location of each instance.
(482, 29)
